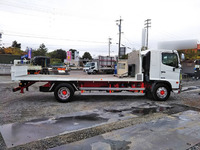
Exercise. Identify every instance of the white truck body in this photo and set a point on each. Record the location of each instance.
(27, 63)
(87, 66)
(104, 64)
(156, 72)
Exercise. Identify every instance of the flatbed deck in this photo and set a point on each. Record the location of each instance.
(19, 73)
(75, 77)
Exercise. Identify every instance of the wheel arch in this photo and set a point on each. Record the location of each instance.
(56, 83)
(161, 82)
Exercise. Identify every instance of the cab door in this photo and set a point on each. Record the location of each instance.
(170, 68)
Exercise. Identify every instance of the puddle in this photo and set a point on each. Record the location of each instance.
(149, 108)
(171, 109)
(89, 117)
(118, 109)
(189, 89)
(185, 89)
(177, 108)
(22, 133)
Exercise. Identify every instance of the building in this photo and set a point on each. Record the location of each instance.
(72, 59)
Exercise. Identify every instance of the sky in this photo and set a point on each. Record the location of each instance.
(86, 25)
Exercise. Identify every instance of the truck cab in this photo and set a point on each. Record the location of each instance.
(88, 66)
(93, 69)
(161, 67)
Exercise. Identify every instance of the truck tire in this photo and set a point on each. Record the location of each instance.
(94, 72)
(161, 92)
(64, 92)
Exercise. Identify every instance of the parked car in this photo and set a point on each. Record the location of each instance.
(59, 68)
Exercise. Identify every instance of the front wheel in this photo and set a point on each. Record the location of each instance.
(161, 92)
(94, 72)
(64, 92)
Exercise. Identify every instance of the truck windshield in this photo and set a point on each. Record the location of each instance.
(170, 59)
(88, 65)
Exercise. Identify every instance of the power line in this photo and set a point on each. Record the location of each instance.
(52, 38)
(30, 7)
(40, 8)
(133, 44)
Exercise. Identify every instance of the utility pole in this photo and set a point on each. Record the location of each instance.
(119, 23)
(1, 43)
(109, 42)
(147, 25)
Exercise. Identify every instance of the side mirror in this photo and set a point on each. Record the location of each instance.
(182, 56)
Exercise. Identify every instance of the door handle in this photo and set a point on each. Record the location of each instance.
(163, 72)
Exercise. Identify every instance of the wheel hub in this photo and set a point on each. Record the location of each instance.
(63, 93)
(161, 92)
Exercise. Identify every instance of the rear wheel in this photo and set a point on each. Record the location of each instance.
(64, 92)
(94, 72)
(161, 92)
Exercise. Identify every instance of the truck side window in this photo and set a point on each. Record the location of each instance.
(170, 59)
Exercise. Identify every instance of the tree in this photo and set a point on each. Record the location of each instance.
(16, 45)
(14, 49)
(190, 54)
(87, 55)
(59, 54)
(143, 48)
(55, 61)
(124, 56)
(73, 50)
(2, 50)
(41, 51)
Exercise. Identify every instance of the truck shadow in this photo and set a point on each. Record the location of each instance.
(92, 98)
(49, 98)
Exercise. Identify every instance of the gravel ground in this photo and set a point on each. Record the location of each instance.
(16, 107)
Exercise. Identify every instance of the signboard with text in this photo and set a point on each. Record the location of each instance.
(122, 52)
(69, 55)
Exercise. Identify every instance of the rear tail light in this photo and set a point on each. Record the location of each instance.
(61, 69)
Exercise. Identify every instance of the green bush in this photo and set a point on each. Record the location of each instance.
(55, 61)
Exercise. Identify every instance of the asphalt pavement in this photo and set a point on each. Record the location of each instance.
(35, 120)
(174, 132)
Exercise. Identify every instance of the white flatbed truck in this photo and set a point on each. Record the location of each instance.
(157, 73)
